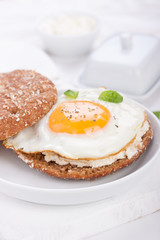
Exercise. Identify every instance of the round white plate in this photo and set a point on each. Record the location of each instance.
(19, 181)
(22, 55)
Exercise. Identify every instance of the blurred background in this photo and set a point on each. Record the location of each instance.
(18, 18)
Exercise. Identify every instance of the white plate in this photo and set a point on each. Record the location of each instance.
(19, 181)
(21, 55)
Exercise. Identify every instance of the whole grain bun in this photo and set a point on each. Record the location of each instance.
(25, 97)
(69, 171)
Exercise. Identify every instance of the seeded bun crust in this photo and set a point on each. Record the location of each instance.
(69, 171)
(25, 98)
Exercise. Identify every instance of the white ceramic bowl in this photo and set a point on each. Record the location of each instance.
(68, 45)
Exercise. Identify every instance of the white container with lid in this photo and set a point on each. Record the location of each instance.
(125, 62)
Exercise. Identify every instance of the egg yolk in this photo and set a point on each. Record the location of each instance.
(78, 117)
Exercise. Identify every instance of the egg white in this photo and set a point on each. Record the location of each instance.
(128, 116)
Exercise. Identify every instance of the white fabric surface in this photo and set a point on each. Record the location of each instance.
(19, 219)
(33, 221)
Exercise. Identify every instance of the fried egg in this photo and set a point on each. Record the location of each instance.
(83, 128)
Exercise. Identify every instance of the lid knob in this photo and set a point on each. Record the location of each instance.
(126, 41)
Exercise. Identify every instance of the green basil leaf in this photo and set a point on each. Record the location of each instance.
(71, 94)
(111, 96)
(157, 114)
